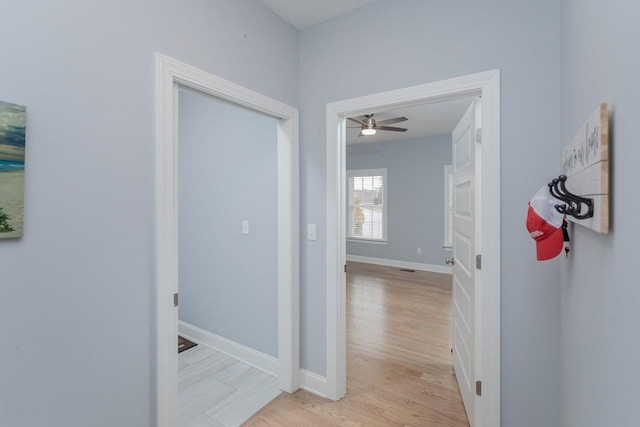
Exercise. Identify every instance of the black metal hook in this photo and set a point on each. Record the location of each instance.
(573, 203)
(578, 199)
(570, 206)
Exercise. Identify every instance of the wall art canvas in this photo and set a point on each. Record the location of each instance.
(13, 119)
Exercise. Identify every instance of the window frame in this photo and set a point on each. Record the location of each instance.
(363, 173)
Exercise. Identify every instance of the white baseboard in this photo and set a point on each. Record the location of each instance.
(313, 383)
(259, 360)
(401, 264)
(309, 381)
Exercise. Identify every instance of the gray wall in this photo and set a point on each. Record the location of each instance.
(227, 174)
(77, 290)
(600, 290)
(84, 267)
(424, 41)
(415, 197)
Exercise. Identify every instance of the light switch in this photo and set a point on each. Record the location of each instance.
(245, 226)
(311, 231)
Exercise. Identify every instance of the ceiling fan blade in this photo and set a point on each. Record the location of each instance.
(391, 121)
(391, 128)
(356, 121)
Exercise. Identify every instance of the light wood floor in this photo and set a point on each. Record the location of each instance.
(399, 363)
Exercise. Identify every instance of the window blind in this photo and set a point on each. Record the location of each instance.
(367, 205)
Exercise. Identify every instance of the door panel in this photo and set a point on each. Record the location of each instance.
(463, 199)
(464, 243)
(462, 303)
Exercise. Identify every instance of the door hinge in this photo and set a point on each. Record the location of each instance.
(345, 268)
(478, 388)
(479, 136)
(175, 300)
(479, 262)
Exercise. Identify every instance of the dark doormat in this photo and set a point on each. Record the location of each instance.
(184, 344)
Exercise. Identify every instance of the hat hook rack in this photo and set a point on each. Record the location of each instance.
(573, 203)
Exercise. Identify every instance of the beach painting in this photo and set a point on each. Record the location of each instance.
(13, 120)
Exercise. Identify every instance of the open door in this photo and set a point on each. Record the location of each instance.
(465, 241)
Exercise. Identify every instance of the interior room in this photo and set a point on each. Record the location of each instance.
(399, 296)
(227, 185)
(86, 260)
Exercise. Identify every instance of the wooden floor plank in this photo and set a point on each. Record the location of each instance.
(399, 364)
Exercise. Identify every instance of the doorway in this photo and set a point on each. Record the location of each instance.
(170, 75)
(487, 318)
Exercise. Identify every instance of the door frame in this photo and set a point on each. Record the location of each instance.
(487, 86)
(170, 74)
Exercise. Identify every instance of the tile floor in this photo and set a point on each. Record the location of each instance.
(216, 390)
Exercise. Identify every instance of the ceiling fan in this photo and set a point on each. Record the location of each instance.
(369, 126)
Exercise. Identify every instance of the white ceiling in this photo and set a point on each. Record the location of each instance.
(307, 13)
(424, 121)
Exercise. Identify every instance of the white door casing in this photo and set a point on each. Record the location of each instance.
(463, 141)
(169, 74)
(487, 86)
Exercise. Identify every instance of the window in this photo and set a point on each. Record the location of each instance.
(448, 207)
(367, 207)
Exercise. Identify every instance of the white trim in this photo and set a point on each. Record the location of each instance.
(486, 85)
(244, 354)
(434, 268)
(370, 241)
(308, 381)
(169, 74)
(367, 172)
(313, 383)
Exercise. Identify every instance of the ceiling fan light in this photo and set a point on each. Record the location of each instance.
(368, 131)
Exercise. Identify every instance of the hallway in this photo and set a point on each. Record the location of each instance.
(399, 369)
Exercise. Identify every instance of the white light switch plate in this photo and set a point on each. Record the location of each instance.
(245, 227)
(311, 231)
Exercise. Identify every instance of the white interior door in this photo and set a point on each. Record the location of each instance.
(464, 253)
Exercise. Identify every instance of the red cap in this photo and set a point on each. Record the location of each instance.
(544, 223)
